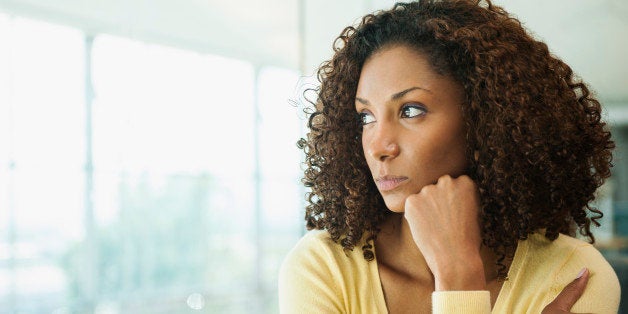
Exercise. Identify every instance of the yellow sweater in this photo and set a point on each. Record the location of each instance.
(317, 277)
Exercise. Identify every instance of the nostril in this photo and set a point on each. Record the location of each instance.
(391, 150)
(380, 142)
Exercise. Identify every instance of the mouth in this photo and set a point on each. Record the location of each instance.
(388, 183)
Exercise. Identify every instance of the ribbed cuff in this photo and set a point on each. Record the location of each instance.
(468, 302)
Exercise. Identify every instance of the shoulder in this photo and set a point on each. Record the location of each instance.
(313, 242)
(567, 254)
(567, 251)
(316, 274)
(564, 248)
(563, 259)
(317, 250)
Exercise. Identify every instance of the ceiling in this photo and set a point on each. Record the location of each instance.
(591, 36)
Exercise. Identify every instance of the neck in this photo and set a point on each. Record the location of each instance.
(399, 251)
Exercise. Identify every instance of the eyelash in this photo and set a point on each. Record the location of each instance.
(361, 116)
(404, 109)
(419, 107)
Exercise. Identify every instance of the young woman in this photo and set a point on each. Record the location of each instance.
(460, 158)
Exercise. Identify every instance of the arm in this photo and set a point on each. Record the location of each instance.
(570, 295)
(452, 253)
(443, 220)
(602, 292)
(479, 301)
(470, 302)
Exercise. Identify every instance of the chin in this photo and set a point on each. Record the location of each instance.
(396, 205)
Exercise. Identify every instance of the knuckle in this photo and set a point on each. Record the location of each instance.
(410, 211)
(412, 202)
(426, 190)
(466, 180)
(468, 183)
(412, 199)
(444, 179)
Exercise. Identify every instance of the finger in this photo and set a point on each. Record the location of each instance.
(572, 292)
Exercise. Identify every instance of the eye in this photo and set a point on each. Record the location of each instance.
(366, 117)
(413, 110)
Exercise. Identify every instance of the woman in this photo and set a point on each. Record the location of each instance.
(461, 158)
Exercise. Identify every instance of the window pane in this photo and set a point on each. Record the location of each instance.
(42, 160)
(174, 183)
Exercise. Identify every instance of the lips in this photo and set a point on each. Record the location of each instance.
(388, 183)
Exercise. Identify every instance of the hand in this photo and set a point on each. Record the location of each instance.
(568, 297)
(443, 220)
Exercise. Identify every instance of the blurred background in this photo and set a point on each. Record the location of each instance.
(147, 148)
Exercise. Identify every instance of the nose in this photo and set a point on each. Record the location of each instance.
(382, 142)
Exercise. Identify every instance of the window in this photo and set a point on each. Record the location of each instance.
(139, 178)
(42, 151)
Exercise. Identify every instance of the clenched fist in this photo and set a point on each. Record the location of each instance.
(443, 220)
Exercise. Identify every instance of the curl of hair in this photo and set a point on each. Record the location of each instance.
(542, 148)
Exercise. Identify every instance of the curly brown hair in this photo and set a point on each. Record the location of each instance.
(536, 145)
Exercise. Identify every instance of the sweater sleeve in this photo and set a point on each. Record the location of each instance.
(602, 292)
(469, 302)
(306, 282)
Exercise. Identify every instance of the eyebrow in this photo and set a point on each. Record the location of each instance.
(395, 96)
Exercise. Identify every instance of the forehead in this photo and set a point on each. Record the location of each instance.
(399, 67)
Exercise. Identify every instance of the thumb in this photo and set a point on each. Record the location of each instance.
(572, 292)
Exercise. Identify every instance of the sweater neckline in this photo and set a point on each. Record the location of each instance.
(518, 261)
(513, 272)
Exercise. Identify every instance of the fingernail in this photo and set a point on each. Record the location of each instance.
(581, 272)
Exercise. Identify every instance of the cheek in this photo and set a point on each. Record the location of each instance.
(369, 162)
(442, 153)
(453, 157)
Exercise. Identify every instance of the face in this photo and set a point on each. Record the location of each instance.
(413, 131)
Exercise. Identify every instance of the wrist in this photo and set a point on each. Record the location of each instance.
(468, 275)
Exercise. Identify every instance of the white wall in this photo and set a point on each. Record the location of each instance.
(591, 36)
